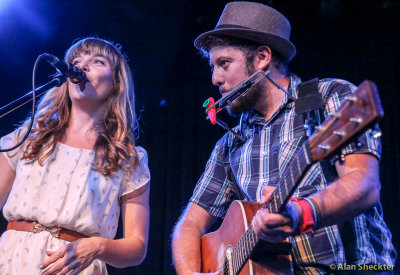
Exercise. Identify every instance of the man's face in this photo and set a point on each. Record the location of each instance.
(229, 68)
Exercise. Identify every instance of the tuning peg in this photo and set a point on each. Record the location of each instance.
(320, 128)
(340, 134)
(376, 134)
(351, 99)
(324, 147)
(356, 120)
(337, 115)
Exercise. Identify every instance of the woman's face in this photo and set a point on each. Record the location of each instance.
(99, 79)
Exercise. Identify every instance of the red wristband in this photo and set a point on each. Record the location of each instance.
(307, 222)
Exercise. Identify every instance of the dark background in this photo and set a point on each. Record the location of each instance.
(354, 40)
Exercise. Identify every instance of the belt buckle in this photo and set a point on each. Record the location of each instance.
(37, 227)
(55, 231)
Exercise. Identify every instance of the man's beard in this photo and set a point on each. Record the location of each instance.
(246, 102)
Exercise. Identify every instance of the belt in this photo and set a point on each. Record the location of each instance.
(55, 231)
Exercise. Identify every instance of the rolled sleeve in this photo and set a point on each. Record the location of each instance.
(212, 191)
(334, 93)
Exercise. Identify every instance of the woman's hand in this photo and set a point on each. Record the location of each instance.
(72, 258)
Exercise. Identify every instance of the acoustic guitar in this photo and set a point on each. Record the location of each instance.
(234, 248)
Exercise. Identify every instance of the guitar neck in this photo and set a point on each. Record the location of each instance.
(289, 181)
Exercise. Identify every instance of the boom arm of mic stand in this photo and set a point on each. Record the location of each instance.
(57, 80)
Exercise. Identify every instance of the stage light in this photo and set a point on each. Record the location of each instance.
(4, 4)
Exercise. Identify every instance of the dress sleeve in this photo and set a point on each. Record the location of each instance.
(139, 181)
(9, 141)
(334, 93)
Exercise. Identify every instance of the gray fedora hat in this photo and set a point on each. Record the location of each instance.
(255, 22)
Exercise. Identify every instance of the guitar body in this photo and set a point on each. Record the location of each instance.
(216, 245)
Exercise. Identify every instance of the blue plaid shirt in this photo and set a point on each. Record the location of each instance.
(260, 160)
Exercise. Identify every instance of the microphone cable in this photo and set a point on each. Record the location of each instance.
(38, 59)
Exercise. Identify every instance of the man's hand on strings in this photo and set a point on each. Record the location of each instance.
(272, 227)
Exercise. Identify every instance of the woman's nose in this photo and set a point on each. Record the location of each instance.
(84, 67)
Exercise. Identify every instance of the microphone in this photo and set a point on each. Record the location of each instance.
(72, 72)
(212, 113)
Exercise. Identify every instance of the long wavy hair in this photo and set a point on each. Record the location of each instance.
(115, 144)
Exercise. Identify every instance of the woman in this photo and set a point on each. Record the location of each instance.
(63, 189)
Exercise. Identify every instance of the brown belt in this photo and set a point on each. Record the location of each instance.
(55, 231)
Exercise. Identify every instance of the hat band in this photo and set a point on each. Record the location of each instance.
(228, 26)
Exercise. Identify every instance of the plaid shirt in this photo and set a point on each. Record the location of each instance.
(260, 160)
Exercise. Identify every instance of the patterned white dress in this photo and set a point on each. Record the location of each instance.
(64, 192)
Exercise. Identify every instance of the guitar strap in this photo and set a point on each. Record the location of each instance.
(309, 103)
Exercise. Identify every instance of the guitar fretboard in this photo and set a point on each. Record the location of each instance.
(290, 180)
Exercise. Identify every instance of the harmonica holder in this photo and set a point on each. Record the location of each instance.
(238, 91)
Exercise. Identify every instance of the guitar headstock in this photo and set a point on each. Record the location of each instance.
(356, 113)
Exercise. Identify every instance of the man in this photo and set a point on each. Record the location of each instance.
(330, 223)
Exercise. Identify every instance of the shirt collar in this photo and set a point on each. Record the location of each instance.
(253, 117)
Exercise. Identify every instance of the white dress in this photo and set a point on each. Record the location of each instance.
(64, 192)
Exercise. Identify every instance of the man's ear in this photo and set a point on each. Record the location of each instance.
(263, 58)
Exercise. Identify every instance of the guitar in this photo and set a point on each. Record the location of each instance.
(234, 247)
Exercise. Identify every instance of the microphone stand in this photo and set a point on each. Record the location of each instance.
(64, 70)
(57, 81)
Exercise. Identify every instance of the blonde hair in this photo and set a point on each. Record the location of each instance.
(115, 145)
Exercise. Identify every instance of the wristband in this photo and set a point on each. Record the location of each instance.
(317, 217)
(314, 212)
(308, 221)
